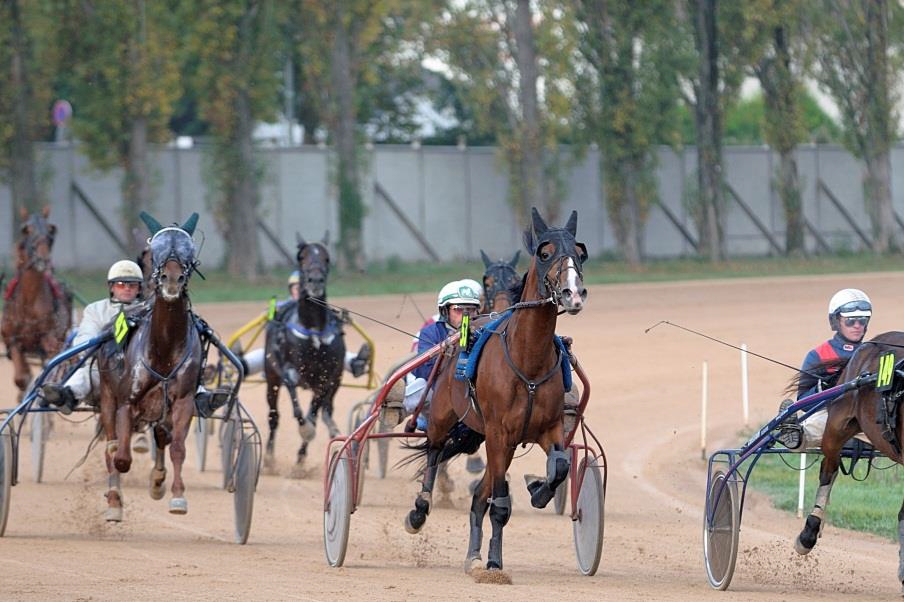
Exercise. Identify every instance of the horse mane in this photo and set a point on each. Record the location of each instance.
(829, 368)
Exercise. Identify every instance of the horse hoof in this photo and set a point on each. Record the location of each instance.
(414, 520)
(472, 564)
(140, 444)
(800, 548)
(178, 505)
(307, 431)
(113, 514)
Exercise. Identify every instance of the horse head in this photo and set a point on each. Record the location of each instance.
(314, 265)
(558, 260)
(499, 280)
(172, 256)
(36, 240)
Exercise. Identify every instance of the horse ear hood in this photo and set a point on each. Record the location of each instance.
(539, 225)
(299, 241)
(572, 225)
(152, 224)
(326, 239)
(190, 223)
(486, 260)
(515, 258)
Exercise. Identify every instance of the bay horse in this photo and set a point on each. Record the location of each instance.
(305, 347)
(154, 378)
(37, 314)
(500, 279)
(854, 412)
(516, 395)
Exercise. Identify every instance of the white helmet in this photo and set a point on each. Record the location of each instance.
(458, 291)
(124, 271)
(849, 303)
(473, 284)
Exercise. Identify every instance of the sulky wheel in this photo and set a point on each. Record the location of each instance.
(230, 438)
(721, 524)
(247, 470)
(40, 427)
(561, 497)
(589, 521)
(337, 514)
(6, 476)
(202, 431)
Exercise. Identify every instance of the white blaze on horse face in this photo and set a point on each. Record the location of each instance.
(573, 301)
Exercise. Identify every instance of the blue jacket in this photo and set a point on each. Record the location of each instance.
(834, 348)
(429, 336)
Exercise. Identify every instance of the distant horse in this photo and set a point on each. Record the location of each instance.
(517, 391)
(305, 347)
(155, 378)
(500, 279)
(852, 413)
(37, 314)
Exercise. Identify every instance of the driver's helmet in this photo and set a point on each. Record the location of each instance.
(458, 292)
(294, 278)
(124, 271)
(849, 303)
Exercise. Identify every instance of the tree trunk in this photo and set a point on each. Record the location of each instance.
(877, 195)
(533, 181)
(709, 130)
(136, 184)
(351, 205)
(620, 189)
(788, 184)
(241, 208)
(23, 184)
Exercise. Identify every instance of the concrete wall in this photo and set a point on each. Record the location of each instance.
(455, 197)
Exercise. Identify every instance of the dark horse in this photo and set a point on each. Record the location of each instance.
(37, 314)
(153, 380)
(305, 347)
(517, 392)
(500, 279)
(852, 413)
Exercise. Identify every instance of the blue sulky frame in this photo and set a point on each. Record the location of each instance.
(724, 506)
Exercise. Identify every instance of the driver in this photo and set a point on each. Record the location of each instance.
(125, 282)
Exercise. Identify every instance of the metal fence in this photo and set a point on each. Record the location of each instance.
(448, 202)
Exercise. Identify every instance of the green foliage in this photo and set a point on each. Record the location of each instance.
(745, 122)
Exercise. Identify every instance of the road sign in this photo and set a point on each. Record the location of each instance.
(61, 113)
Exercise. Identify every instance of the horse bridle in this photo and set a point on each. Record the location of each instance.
(562, 239)
(501, 283)
(319, 267)
(39, 230)
(187, 264)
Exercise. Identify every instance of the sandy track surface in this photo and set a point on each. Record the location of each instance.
(645, 407)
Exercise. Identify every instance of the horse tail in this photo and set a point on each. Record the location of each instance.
(418, 455)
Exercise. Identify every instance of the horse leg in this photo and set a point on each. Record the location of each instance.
(416, 518)
(21, 371)
(479, 507)
(828, 470)
(324, 401)
(122, 458)
(306, 428)
(901, 547)
(558, 462)
(499, 458)
(182, 414)
(158, 472)
(273, 422)
(113, 512)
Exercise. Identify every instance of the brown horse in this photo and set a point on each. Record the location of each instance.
(154, 379)
(500, 279)
(853, 412)
(37, 313)
(516, 396)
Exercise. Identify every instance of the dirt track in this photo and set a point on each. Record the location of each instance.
(645, 407)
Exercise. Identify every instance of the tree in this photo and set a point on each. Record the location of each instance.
(774, 27)
(235, 45)
(512, 62)
(118, 59)
(359, 65)
(24, 103)
(857, 48)
(629, 94)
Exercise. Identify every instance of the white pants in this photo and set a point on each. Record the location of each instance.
(82, 379)
(815, 426)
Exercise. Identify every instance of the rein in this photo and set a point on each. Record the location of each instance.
(165, 380)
